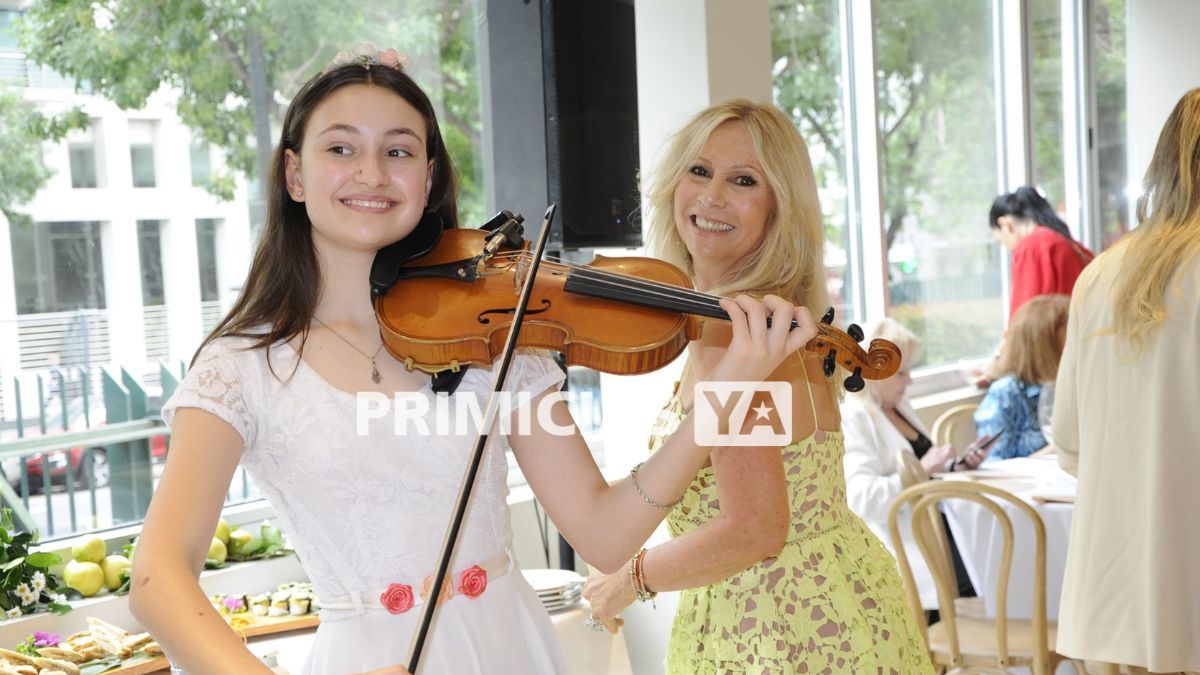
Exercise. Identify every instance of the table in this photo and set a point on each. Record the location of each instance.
(1050, 490)
(587, 652)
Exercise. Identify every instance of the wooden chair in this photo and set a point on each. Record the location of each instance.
(965, 641)
(950, 427)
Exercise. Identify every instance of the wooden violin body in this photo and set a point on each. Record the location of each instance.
(441, 321)
(454, 304)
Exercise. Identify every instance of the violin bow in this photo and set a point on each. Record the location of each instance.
(464, 491)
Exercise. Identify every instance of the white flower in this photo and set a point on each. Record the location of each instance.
(58, 598)
(14, 612)
(22, 588)
(38, 582)
(28, 598)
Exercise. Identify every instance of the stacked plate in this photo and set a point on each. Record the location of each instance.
(557, 589)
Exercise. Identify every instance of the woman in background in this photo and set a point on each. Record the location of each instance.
(1028, 359)
(888, 449)
(1126, 424)
(1046, 260)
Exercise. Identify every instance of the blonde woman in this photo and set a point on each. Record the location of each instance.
(888, 449)
(778, 574)
(1126, 423)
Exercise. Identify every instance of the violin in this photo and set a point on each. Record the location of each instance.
(448, 298)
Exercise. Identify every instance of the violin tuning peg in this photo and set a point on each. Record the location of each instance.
(855, 332)
(830, 363)
(855, 381)
(828, 318)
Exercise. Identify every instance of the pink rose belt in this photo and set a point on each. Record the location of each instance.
(400, 596)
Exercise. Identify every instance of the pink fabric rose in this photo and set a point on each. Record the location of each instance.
(447, 589)
(473, 582)
(397, 599)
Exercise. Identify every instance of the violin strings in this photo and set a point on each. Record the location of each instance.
(695, 299)
(683, 299)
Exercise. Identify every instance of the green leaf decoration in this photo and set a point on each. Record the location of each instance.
(43, 559)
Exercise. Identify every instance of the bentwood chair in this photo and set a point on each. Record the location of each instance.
(966, 641)
(956, 426)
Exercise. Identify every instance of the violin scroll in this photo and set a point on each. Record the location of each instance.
(881, 361)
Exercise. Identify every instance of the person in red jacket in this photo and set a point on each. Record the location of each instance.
(1046, 259)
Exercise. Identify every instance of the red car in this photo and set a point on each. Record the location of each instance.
(79, 458)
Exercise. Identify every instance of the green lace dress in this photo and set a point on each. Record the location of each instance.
(831, 602)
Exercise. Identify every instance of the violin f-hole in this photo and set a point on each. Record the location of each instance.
(482, 317)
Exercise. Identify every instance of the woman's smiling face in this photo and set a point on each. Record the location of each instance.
(723, 203)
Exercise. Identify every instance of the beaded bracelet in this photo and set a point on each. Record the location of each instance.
(637, 579)
(651, 502)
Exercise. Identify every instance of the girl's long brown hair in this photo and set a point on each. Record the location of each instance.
(284, 281)
(1034, 344)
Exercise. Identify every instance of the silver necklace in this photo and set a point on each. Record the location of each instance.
(375, 376)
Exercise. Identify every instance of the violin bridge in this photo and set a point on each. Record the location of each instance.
(520, 274)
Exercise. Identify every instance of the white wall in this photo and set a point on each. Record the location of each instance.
(1162, 53)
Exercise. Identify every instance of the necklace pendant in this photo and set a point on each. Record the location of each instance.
(375, 376)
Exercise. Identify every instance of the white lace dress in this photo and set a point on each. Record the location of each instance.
(367, 514)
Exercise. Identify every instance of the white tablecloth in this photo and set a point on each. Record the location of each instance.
(980, 538)
(587, 652)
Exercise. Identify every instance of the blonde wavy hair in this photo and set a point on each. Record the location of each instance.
(898, 334)
(1169, 228)
(789, 262)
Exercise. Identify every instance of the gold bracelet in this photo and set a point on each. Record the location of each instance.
(651, 502)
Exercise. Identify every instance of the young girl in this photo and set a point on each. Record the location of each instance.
(359, 164)
(1028, 359)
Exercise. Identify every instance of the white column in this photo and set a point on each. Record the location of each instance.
(181, 286)
(692, 53)
(123, 293)
(234, 250)
(119, 244)
(10, 360)
(1162, 51)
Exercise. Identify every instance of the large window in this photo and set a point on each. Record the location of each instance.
(1047, 108)
(58, 267)
(1108, 56)
(937, 119)
(807, 55)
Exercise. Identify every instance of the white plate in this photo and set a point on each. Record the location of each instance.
(551, 580)
(551, 606)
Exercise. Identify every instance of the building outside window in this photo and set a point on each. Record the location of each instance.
(201, 162)
(141, 153)
(58, 267)
(81, 150)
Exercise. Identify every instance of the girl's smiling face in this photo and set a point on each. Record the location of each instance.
(362, 170)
